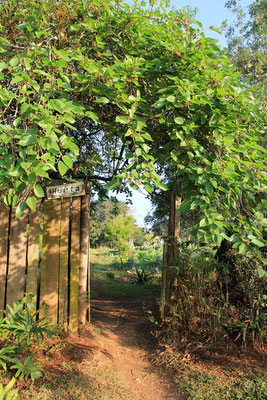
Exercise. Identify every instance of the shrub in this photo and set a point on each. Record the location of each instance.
(18, 328)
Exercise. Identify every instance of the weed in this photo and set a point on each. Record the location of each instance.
(7, 393)
(110, 275)
(18, 328)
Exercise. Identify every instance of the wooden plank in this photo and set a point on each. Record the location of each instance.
(4, 225)
(17, 257)
(84, 260)
(63, 263)
(74, 265)
(33, 250)
(50, 258)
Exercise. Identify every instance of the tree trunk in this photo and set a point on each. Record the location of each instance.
(170, 256)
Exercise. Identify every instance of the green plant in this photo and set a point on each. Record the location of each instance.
(6, 354)
(18, 328)
(143, 276)
(27, 369)
(7, 393)
(21, 322)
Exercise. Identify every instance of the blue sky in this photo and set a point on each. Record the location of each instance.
(211, 12)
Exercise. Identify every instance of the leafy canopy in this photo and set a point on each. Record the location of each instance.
(123, 94)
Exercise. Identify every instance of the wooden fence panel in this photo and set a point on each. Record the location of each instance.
(50, 257)
(33, 250)
(63, 263)
(64, 271)
(17, 257)
(74, 265)
(4, 225)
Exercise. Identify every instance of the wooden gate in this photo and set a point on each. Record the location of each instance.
(45, 253)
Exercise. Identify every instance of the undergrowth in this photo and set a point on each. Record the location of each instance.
(20, 329)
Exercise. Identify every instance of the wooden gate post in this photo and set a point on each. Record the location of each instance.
(84, 278)
(74, 265)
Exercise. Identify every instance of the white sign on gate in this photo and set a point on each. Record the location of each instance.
(69, 190)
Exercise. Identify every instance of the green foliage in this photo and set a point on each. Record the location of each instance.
(115, 281)
(143, 276)
(7, 393)
(103, 213)
(18, 328)
(27, 369)
(20, 323)
(120, 231)
(128, 95)
(215, 300)
(247, 43)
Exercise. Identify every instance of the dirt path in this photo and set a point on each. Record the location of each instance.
(125, 344)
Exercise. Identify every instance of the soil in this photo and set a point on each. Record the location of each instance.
(127, 345)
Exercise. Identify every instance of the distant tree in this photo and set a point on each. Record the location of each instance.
(120, 230)
(247, 43)
(102, 212)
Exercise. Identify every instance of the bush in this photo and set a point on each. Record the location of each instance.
(217, 299)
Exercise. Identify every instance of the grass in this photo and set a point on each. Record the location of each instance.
(113, 280)
(214, 374)
(89, 382)
(201, 386)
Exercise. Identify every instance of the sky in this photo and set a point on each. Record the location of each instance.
(210, 12)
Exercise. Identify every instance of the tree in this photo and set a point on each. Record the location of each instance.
(247, 43)
(122, 94)
(120, 230)
(102, 213)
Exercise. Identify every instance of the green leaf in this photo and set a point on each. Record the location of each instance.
(102, 100)
(179, 120)
(242, 248)
(32, 202)
(38, 190)
(20, 208)
(160, 103)
(68, 160)
(209, 189)
(147, 136)
(14, 61)
(185, 206)
(257, 242)
(170, 99)
(122, 119)
(63, 168)
(3, 66)
(160, 185)
(148, 187)
(112, 184)
(261, 271)
(214, 121)
(214, 28)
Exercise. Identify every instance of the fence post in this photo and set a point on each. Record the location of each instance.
(74, 265)
(84, 260)
(63, 263)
